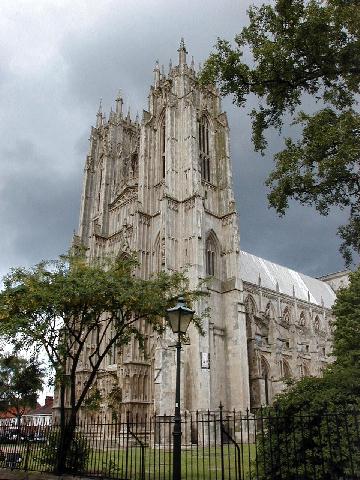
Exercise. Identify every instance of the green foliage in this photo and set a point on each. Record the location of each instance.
(92, 400)
(302, 47)
(319, 445)
(20, 382)
(63, 305)
(346, 340)
(77, 456)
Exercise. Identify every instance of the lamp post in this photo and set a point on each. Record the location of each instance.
(179, 318)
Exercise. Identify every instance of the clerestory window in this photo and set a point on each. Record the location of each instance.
(204, 150)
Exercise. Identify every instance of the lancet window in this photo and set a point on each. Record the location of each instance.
(99, 188)
(163, 145)
(286, 316)
(265, 376)
(211, 256)
(317, 323)
(204, 150)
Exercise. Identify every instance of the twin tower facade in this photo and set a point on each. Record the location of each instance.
(162, 188)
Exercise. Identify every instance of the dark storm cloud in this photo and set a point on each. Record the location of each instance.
(38, 205)
(71, 55)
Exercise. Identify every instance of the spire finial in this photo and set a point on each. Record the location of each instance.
(182, 44)
(182, 52)
(156, 73)
(99, 116)
(119, 103)
(128, 117)
(137, 117)
(192, 63)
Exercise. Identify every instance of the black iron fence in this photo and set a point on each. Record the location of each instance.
(217, 445)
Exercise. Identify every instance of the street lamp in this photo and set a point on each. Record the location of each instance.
(179, 318)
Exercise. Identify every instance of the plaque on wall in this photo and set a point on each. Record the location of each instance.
(205, 360)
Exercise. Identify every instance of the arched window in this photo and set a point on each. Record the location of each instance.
(286, 316)
(211, 255)
(268, 311)
(317, 323)
(250, 309)
(157, 255)
(285, 371)
(264, 373)
(162, 145)
(303, 371)
(100, 175)
(204, 150)
(250, 306)
(302, 319)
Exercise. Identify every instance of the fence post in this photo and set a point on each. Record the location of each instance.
(127, 443)
(222, 442)
(26, 466)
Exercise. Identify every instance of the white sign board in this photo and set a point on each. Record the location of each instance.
(205, 360)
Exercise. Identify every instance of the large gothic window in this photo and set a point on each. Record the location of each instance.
(211, 255)
(285, 371)
(163, 145)
(204, 150)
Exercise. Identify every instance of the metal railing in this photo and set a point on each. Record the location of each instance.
(219, 445)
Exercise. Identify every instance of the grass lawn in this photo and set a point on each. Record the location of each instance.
(197, 463)
(203, 463)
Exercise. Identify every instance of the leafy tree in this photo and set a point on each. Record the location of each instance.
(302, 48)
(20, 382)
(319, 417)
(346, 339)
(61, 305)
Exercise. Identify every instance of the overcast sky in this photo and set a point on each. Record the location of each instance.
(57, 58)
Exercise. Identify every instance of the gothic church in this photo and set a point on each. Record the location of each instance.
(163, 188)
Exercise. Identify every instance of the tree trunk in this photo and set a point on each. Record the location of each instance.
(66, 435)
(63, 458)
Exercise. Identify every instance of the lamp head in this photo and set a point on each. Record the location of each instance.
(180, 317)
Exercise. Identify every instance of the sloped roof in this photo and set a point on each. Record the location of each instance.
(271, 274)
(43, 409)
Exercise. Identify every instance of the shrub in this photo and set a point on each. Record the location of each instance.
(77, 455)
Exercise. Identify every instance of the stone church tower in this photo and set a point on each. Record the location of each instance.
(163, 188)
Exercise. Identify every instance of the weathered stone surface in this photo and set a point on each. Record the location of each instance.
(163, 188)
